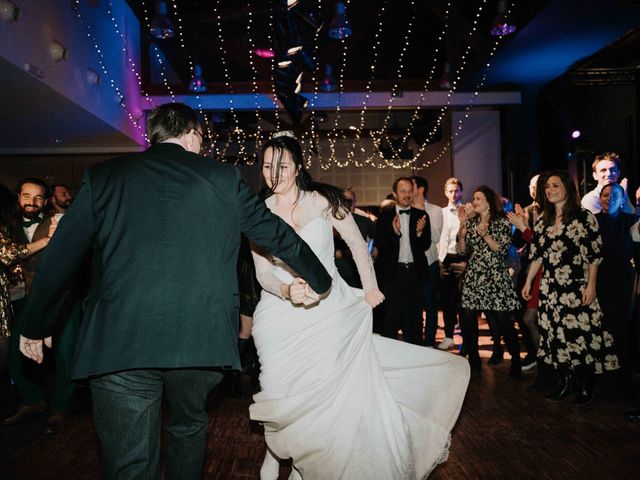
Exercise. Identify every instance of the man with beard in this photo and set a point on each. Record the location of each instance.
(60, 199)
(32, 199)
(161, 315)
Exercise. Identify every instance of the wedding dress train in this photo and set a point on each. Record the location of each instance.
(341, 402)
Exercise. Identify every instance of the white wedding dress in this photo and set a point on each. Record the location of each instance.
(341, 402)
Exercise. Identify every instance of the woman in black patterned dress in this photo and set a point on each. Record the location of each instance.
(568, 246)
(486, 286)
(615, 275)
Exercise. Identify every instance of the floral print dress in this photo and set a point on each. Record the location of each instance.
(486, 285)
(571, 334)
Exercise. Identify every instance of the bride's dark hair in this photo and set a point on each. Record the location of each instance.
(338, 203)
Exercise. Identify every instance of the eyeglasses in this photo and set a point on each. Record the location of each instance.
(199, 133)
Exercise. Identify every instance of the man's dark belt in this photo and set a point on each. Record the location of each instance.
(406, 265)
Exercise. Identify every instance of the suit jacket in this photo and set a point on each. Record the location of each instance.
(388, 244)
(30, 264)
(163, 229)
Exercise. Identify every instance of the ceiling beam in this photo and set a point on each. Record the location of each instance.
(346, 101)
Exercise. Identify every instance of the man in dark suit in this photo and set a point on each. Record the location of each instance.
(403, 235)
(163, 229)
(32, 227)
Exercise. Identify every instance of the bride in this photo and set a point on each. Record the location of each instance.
(341, 402)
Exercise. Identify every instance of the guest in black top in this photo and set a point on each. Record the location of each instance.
(616, 275)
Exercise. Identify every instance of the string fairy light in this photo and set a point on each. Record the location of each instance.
(426, 87)
(314, 136)
(412, 162)
(119, 95)
(237, 130)
(368, 87)
(254, 85)
(467, 110)
(398, 76)
(209, 134)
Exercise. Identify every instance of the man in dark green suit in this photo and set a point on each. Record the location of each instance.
(162, 229)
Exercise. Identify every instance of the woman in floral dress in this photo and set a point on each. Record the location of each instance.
(568, 246)
(485, 236)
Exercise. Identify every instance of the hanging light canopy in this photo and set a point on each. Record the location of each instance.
(161, 27)
(340, 27)
(501, 25)
(328, 83)
(445, 79)
(197, 83)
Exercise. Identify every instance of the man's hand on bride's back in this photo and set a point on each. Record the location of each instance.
(374, 297)
(297, 291)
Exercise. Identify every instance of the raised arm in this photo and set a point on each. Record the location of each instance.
(273, 234)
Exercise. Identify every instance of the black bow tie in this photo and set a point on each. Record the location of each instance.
(407, 211)
(33, 221)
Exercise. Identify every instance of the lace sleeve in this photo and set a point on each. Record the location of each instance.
(10, 252)
(350, 233)
(264, 271)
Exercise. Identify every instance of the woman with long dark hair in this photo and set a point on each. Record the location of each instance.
(568, 246)
(342, 403)
(524, 220)
(615, 274)
(485, 237)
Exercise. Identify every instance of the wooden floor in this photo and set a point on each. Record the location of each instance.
(504, 432)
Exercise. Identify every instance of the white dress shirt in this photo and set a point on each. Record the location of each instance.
(404, 255)
(435, 221)
(31, 229)
(449, 234)
(635, 235)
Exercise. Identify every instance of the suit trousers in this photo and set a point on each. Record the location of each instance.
(431, 304)
(450, 296)
(127, 413)
(403, 304)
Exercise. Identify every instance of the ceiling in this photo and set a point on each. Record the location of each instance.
(37, 119)
(42, 120)
(423, 27)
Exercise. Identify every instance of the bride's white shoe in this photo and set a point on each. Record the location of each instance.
(270, 469)
(295, 475)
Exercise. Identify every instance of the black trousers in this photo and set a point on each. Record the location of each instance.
(127, 415)
(404, 304)
(450, 295)
(504, 323)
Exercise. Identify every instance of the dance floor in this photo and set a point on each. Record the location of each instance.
(504, 432)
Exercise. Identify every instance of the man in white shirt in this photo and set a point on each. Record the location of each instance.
(606, 169)
(420, 190)
(451, 263)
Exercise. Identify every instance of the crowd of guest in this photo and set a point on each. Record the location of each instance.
(571, 289)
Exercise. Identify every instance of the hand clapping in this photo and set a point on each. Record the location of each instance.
(420, 225)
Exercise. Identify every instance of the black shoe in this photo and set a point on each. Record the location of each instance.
(474, 363)
(529, 362)
(633, 415)
(586, 386)
(563, 388)
(544, 378)
(496, 358)
(55, 423)
(25, 412)
(516, 368)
